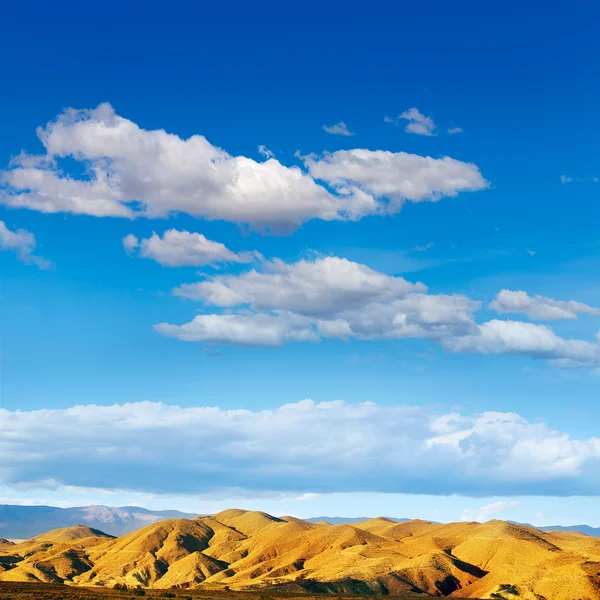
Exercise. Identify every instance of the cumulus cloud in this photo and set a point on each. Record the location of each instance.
(539, 307)
(538, 341)
(304, 447)
(256, 330)
(130, 243)
(332, 297)
(338, 129)
(454, 130)
(418, 123)
(373, 175)
(323, 286)
(130, 171)
(182, 248)
(22, 243)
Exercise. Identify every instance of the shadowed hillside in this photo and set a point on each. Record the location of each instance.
(249, 550)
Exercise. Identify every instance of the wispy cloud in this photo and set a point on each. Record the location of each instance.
(265, 152)
(338, 129)
(483, 513)
(566, 179)
(454, 130)
(427, 246)
(23, 244)
(418, 123)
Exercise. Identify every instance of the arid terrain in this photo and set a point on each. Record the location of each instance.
(235, 551)
(50, 591)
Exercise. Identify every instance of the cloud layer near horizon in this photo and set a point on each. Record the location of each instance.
(304, 447)
(132, 172)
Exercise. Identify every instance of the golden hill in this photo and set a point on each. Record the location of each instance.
(249, 550)
(53, 557)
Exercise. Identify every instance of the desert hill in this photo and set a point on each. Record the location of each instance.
(22, 522)
(250, 550)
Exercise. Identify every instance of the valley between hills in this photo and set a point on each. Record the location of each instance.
(237, 551)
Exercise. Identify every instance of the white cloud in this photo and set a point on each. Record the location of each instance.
(397, 176)
(130, 243)
(324, 286)
(256, 330)
(338, 129)
(417, 122)
(266, 152)
(336, 298)
(331, 297)
(454, 130)
(427, 246)
(23, 243)
(182, 248)
(566, 179)
(131, 172)
(539, 307)
(304, 448)
(485, 512)
(538, 341)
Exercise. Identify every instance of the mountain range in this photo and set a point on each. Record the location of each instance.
(249, 550)
(23, 522)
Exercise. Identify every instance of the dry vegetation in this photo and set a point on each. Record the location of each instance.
(44, 591)
(240, 551)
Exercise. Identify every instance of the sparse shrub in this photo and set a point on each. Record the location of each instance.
(168, 595)
(139, 592)
(120, 586)
(509, 589)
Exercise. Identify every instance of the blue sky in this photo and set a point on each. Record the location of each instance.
(314, 262)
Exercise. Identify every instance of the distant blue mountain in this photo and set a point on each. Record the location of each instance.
(586, 529)
(593, 531)
(22, 522)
